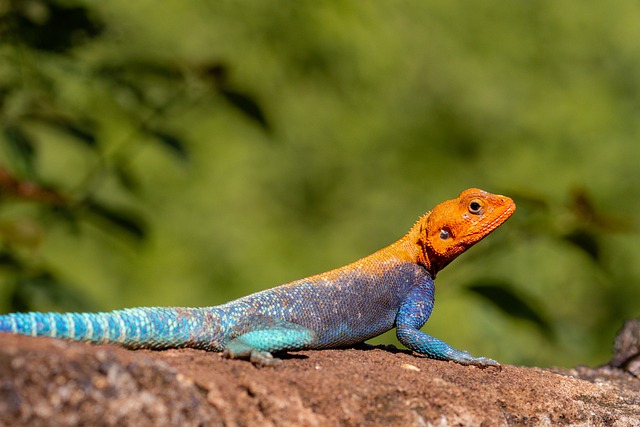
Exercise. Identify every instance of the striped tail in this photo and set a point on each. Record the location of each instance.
(153, 328)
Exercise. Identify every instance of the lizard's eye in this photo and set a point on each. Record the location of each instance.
(475, 207)
(445, 234)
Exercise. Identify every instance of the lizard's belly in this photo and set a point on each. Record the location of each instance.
(352, 331)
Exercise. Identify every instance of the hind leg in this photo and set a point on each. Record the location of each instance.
(258, 345)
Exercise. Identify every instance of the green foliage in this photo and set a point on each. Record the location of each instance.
(41, 51)
(189, 153)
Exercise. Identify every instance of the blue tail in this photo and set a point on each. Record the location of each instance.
(153, 328)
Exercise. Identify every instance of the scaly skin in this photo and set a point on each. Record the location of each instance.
(393, 287)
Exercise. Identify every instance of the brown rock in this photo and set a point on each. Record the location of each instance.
(51, 382)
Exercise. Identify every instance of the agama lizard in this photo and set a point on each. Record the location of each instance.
(393, 287)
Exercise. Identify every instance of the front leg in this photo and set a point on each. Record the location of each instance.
(413, 314)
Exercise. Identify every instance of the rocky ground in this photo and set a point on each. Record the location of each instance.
(52, 382)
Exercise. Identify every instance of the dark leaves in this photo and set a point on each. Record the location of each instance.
(126, 177)
(247, 105)
(38, 287)
(500, 295)
(46, 291)
(82, 131)
(170, 142)
(122, 220)
(586, 241)
(9, 260)
(50, 25)
(21, 150)
(149, 92)
(216, 75)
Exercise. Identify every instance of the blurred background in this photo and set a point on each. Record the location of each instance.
(189, 153)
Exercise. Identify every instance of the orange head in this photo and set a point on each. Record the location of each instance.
(454, 226)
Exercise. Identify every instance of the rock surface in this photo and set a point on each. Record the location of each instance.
(52, 382)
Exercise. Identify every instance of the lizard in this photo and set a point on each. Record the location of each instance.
(393, 287)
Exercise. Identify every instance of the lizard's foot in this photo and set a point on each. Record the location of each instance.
(264, 358)
(257, 357)
(436, 349)
(464, 358)
(485, 362)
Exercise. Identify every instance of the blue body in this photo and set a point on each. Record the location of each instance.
(335, 309)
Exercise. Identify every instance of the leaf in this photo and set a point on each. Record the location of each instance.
(66, 215)
(500, 295)
(9, 260)
(22, 150)
(167, 71)
(45, 291)
(124, 86)
(585, 241)
(246, 105)
(80, 132)
(216, 73)
(124, 221)
(126, 177)
(587, 212)
(173, 143)
(134, 78)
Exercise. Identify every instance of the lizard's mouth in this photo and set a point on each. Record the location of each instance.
(497, 221)
(511, 208)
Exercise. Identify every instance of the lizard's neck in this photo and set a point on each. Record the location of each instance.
(411, 248)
